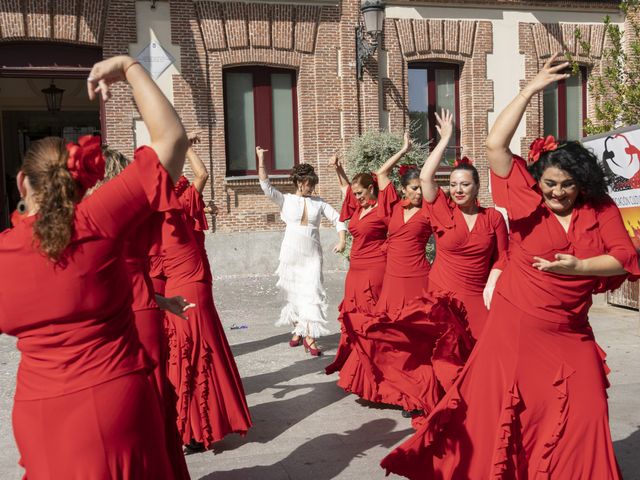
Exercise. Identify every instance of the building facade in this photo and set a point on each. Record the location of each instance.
(282, 74)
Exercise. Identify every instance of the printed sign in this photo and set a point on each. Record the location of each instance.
(619, 152)
(155, 59)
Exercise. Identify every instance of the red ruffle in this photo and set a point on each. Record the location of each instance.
(155, 180)
(517, 192)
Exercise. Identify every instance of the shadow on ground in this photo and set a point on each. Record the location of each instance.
(627, 453)
(323, 457)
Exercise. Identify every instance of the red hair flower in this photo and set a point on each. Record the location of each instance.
(402, 169)
(541, 145)
(375, 177)
(462, 161)
(181, 185)
(85, 162)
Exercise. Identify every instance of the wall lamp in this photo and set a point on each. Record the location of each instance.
(368, 34)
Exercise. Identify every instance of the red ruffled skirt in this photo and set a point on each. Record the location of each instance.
(150, 327)
(211, 402)
(476, 313)
(362, 288)
(398, 292)
(529, 404)
(416, 354)
(111, 430)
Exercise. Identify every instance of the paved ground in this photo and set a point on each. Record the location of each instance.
(305, 426)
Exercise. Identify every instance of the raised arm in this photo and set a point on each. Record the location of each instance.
(343, 180)
(499, 138)
(274, 194)
(262, 171)
(444, 126)
(383, 171)
(168, 138)
(201, 175)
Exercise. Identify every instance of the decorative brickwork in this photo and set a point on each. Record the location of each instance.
(70, 21)
(217, 35)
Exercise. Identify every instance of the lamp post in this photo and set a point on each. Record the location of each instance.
(53, 96)
(368, 35)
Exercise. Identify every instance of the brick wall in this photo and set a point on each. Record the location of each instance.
(214, 35)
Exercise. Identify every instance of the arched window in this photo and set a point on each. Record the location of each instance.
(260, 109)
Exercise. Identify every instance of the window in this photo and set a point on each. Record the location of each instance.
(565, 107)
(260, 109)
(433, 86)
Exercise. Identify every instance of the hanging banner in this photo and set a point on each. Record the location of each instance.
(619, 152)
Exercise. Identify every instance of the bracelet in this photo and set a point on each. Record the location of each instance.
(135, 62)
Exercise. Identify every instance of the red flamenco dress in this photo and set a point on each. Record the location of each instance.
(362, 288)
(149, 321)
(84, 407)
(415, 344)
(210, 397)
(464, 258)
(531, 401)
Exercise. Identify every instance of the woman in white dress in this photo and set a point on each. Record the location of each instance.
(300, 268)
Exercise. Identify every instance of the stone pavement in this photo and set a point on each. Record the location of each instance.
(305, 427)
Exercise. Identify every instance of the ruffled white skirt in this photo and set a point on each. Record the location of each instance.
(300, 280)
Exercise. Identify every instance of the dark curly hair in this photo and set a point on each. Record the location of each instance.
(303, 173)
(45, 164)
(469, 168)
(591, 179)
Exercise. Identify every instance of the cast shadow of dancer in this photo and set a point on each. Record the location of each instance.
(324, 457)
(328, 342)
(272, 419)
(627, 455)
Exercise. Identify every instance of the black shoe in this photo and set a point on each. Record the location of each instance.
(412, 413)
(194, 447)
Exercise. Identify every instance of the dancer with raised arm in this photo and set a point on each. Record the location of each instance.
(471, 241)
(84, 405)
(300, 268)
(147, 314)
(190, 196)
(531, 400)
(368, 209)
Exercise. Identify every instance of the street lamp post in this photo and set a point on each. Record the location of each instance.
(368, 35)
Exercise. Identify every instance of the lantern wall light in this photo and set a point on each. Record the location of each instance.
(53, 96)
(368, 34)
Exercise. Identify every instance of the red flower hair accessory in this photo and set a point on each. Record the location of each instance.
(462, 161)
(85, 162)
(402, 169)
(181, 185)
(375, 177)
(541, 145)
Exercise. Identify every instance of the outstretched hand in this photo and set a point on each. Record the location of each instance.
(564, 264)
(194, 138)
(260, 152)
(444, 124)
(406, 146)
(106, 73)
(335, 162)
(340, 247)
(549, 74)
(178, 306)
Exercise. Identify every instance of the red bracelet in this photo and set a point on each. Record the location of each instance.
(135, 62)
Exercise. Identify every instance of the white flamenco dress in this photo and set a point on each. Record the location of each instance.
(300, 268)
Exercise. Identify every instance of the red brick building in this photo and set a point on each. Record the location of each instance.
(283, 74)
